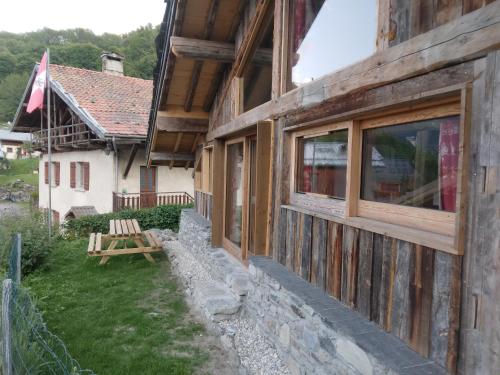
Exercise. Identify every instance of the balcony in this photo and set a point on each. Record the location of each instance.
(74, 135)
(135, 201)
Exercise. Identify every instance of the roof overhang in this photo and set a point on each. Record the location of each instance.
(194, 47)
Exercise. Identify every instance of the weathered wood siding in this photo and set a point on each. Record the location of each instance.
(203, 204)
(410, 291)
(409, 18)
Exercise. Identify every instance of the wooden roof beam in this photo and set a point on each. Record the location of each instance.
(185, 125)
(169, 156)
(199, 49)
(176, 148)
(131, 157)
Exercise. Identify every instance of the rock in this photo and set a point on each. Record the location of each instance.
(217, 301)
(238, 282)
(355, 356)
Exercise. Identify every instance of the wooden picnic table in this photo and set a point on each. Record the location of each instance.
(120, 232)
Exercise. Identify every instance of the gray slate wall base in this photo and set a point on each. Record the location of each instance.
(316, 334)
(312, 332)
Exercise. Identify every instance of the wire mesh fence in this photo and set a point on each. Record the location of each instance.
(14, 264)
(28, 347)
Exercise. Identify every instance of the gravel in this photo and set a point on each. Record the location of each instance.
(240, 334)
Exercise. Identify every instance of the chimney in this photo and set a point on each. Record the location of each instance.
(112, 63)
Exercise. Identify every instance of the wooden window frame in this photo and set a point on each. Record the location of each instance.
(412, 224)
(441, 222)
(314, 201)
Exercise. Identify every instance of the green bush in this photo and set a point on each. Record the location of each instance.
(161, 217)
(35, 240)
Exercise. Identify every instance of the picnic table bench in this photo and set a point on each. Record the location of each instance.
(120, 232)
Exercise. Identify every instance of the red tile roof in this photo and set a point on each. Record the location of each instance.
(119, 104)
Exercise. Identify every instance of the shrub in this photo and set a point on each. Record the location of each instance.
(35, 240)
(161, 217)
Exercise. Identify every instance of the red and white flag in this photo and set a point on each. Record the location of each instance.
(36, 98)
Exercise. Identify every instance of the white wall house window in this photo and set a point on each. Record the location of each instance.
(80, 177)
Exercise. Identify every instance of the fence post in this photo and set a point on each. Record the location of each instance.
(18, 260)
(6, 327)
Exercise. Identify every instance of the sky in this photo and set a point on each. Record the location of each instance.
(100, 16)
(344, 32)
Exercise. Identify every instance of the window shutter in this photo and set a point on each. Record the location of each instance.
(72, 175)
(86, 176)
(58, 173)
(46, 173)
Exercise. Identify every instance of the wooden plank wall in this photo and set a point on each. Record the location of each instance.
(480, 324)
(203, 204)
(410, 291)
(409, 18)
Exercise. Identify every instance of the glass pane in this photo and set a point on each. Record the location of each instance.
(413, 164)
(327, 35)
(257, 77)
(322, 164)
(234, 193)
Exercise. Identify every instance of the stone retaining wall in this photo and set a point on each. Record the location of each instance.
(312, 332)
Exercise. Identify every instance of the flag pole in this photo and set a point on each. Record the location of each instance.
(49, 148)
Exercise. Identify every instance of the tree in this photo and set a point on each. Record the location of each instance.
(11, 91)
(7, 63)
(80, 48)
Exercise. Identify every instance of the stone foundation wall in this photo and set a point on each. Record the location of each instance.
(316, 334)
(312, 332)
(195, 233)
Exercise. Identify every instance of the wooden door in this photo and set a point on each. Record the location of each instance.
(148, 187)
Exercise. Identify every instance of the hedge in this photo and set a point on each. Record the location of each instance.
(161, 217)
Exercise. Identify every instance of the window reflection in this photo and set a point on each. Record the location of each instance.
(413, 164)
(322, 164)
(234, 193)
(327, 35)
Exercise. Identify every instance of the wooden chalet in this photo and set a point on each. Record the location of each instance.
(357, 144)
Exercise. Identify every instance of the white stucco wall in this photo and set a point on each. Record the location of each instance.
(10, 155)
(167, 180)
(101, 185)
(104, 180)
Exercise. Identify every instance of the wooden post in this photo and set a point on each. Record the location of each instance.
(6, 327)
(218, 193)
(18, 259)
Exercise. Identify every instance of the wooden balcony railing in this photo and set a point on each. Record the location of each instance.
(66, 135)
(123, 201)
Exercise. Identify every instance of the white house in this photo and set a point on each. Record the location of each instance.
(11, 144)
(98, 133)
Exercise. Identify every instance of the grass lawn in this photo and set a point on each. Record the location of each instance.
(20, 169)
(127, 317)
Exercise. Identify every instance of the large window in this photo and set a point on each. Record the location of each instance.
(257, 76)
(322, 164)
(327, 35)
(413, 164)
(402, 168)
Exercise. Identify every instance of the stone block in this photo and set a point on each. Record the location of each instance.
(284, 336)
(354, 356)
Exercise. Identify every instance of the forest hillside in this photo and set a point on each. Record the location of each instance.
(76, 47)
